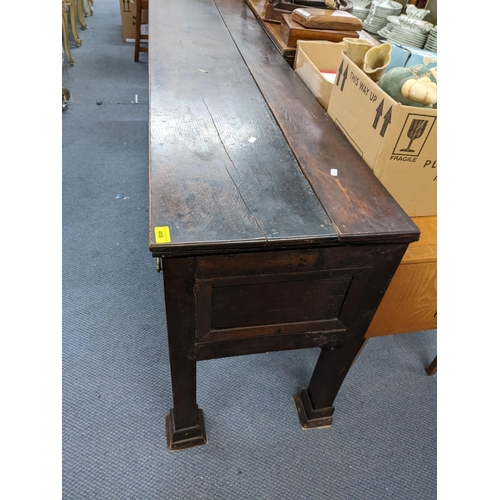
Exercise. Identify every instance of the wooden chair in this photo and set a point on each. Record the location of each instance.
(141, 5)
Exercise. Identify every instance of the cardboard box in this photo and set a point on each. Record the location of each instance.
(128, 16)
(316, 64)
(398, 142)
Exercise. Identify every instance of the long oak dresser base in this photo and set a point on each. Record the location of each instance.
(268, 250)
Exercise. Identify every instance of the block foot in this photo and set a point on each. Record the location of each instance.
(310, 418)
(178, 439)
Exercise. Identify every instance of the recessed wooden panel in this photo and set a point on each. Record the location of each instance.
(270, 303)
(244, 307)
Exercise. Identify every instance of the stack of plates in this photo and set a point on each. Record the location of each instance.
(377, 17)
(360, 8)
(431, 43)
(360, 12)
(406, 31)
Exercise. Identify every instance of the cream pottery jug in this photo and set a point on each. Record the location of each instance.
(376, 60)
(356, 48)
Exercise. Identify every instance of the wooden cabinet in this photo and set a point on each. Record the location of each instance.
(410, 303)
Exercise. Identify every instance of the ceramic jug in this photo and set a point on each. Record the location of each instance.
(376, 60)
(356, 48)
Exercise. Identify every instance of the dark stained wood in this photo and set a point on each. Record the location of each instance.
(355, 200)
(309, 417)
(288, 262)
(258, 345)
(334, 362)
(273, 31)
(200, 126)
(276, 302)
(141, 5)
(268, 251)
(432, 368)
(208, 334)
(187, 437)
(178, 280)
(255, 297)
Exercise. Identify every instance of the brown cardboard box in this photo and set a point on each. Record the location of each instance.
(313, 57)
(398, 142)
(128, 16)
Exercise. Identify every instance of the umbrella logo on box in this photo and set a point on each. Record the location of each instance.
(414, 134)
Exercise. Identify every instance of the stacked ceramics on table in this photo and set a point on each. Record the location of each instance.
(408, 29)
(431, 42)
(361, 9)
(377, 17)
(319, 24)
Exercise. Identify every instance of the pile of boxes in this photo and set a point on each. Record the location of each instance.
(399, 143)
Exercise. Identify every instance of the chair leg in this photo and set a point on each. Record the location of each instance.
(81, 14)
(432, 368)
(65, 31)
(74, 27)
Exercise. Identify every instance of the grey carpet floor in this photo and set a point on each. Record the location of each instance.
(116, 380)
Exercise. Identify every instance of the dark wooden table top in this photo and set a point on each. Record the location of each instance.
(241, 153)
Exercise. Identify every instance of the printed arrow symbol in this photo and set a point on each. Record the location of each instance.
(339, 73)
(344, 76)
(378, 114)
(387, 120)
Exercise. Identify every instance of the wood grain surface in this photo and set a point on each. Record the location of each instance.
(209, 183)
(409, 305)
(425, 249)
(217, 83)
(281, 236)
(355, 200)
(292, 31)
